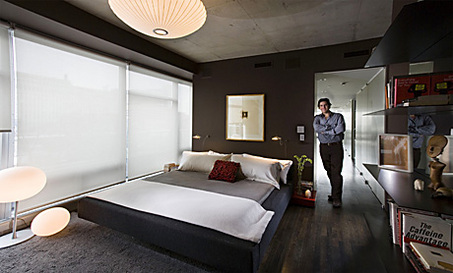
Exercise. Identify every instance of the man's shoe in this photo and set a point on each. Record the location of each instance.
(329, 198)
(336, 204)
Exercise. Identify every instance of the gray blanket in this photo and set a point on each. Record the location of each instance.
(244, 188)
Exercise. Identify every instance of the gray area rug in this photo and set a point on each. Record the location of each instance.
(86, 247)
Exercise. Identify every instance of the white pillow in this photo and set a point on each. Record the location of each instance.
(259, 170)
(216, 153)
(199, 161)
(285, 165)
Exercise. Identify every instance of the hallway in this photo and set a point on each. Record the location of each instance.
(354, 238)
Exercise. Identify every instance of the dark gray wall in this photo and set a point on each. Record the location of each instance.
(288, 85)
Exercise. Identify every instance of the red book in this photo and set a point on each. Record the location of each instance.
(411, 87)
(442, 84)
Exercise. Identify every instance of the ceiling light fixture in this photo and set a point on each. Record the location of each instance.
(165, 19)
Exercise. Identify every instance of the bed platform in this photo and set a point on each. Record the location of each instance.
(213, 248)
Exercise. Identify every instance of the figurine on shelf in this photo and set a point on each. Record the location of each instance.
(436, 145)
(443, 192)
(419, 184)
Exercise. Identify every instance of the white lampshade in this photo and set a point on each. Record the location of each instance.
(19, 183)
(50, 221)
(166, 19)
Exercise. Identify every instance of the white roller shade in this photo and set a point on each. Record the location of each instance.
(5, 81)
(71, 117)
(157, 110)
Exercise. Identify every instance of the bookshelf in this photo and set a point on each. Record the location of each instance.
(400, 187)
(413, 110)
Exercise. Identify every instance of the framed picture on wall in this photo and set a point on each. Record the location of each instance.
(245, 117)
(395, 152)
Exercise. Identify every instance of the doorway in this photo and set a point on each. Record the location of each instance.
(353, 93)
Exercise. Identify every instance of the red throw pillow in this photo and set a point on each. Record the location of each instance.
(225, 171)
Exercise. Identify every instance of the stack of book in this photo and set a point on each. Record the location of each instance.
(426, 258)
(423, 235)
(409, 225)
(420, 89)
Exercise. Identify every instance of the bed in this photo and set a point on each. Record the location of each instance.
(258, 182)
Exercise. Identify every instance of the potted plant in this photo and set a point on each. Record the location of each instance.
(302, 185)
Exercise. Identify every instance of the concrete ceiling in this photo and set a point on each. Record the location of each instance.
(241, 28)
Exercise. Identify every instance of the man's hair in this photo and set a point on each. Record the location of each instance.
(324, 99)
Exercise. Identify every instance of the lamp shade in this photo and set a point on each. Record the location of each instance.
(50, 221)
(166, 19)
(19, 183)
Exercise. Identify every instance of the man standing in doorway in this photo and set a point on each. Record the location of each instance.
(330, 128)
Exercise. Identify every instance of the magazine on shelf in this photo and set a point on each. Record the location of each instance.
(415, 260)
(449, 219)
(393, 218)
(425, 229)
(433, 259)
(396, 217)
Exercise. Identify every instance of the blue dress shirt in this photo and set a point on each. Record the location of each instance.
(331, 129)
(418, 127)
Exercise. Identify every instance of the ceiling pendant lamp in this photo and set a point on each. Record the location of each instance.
(165, 19)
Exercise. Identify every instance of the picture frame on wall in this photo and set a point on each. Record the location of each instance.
(245, 117)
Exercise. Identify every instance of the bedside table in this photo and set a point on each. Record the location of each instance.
(303, 201)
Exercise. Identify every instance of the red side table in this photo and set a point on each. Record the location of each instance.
(303, 201)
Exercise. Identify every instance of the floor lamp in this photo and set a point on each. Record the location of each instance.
(16, 184)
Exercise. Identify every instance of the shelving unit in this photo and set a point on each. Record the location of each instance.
(400, 187)
(413, 110)
(399, 116)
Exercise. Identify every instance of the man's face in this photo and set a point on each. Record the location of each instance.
(324, 107)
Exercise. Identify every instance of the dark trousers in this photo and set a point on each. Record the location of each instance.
(332, 159)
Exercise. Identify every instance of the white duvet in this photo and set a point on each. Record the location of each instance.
(236, 216)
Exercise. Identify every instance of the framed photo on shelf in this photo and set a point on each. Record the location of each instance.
(395, 152)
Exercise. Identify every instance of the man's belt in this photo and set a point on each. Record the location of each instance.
(331, 143)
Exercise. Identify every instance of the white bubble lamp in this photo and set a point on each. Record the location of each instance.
(163, 19)
(16, 184)
(50, 221)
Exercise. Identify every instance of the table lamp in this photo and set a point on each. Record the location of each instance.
(16, 184)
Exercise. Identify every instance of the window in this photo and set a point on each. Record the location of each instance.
(71, 118)
(74, 118)
(5, 106)
(159, 111)
(5, 81)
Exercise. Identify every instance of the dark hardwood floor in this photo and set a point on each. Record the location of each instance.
(354, 238)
